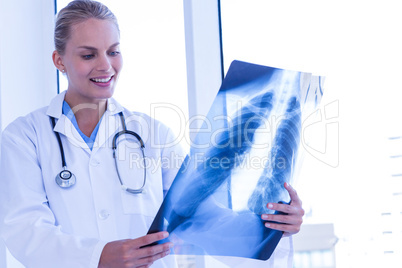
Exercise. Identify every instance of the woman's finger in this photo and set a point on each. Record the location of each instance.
(295, 200)
(283, 219)
(151, 255)
(288, 229)
(154, 250)
(291, 209)
(148, 239)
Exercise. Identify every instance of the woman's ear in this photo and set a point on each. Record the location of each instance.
(58, 61)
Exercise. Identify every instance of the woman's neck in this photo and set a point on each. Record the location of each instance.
(87, 114)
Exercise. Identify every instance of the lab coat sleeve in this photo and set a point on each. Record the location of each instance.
(27, 224)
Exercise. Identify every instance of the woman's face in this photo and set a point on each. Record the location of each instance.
(92, 61)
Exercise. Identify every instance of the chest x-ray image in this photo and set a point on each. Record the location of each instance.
(248, 147)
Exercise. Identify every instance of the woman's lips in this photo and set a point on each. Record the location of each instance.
(103, 82)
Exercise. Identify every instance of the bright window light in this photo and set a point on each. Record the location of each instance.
(347, 178)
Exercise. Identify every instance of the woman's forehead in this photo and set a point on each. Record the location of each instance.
(94, 33)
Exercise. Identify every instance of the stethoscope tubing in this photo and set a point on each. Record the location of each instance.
(63, 158)
(114, 147)
(66, 179)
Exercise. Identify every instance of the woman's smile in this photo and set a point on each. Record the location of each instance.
(102, 81)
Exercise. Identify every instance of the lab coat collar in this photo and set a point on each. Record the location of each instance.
(107, 128)
(113, 107)
(55, 107)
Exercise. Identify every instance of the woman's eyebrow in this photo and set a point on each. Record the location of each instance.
(115, 44)
(94, 48)
(88, 47)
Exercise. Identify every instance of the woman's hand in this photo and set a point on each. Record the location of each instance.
(290, 223)
(130, 252)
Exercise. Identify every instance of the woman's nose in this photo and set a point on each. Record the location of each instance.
(103, 63)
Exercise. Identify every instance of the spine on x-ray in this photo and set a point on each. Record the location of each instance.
(282, 157)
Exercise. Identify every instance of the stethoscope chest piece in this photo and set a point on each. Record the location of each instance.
(65, 179)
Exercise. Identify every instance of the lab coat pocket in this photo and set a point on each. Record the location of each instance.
(146, 203)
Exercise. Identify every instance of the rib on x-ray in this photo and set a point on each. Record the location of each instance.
(247, 148)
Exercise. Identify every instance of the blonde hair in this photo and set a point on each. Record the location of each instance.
(75, 12)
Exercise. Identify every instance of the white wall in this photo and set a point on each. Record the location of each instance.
(27, 74)
(27, 77)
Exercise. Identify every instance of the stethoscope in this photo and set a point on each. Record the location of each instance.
(66, 179)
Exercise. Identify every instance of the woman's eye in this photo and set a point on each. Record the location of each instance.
(114, 53)
(87, 57)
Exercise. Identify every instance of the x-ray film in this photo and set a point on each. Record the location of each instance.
(248, 147)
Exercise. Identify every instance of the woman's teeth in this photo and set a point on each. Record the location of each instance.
(101, 80)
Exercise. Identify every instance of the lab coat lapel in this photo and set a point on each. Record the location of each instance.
(55, 107)
(65, 127)
(63, 124)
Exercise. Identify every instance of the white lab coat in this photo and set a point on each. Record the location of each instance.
(44, 225)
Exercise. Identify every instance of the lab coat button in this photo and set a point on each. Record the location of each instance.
(103, 214)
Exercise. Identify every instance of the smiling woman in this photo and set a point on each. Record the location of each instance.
(49, 215)
(156, 20)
